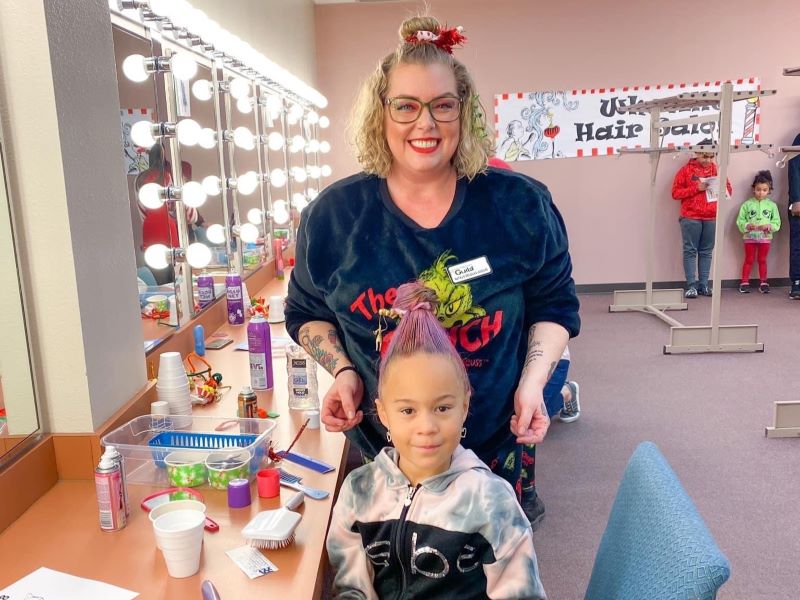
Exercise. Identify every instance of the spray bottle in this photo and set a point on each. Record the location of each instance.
(259, 344)
(108, 485)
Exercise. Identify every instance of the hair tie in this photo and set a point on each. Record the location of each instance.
(446, 39)
(423, 305)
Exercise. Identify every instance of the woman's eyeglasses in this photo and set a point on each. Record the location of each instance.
(407, 109)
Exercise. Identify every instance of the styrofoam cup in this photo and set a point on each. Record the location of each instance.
(179, 534)
(174, 505)
(159, 407)
(170, 359)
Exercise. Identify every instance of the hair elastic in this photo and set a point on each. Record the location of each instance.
(446, 39)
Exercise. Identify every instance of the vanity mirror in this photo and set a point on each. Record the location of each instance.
(18, 413)
(228, 132)
(142, 101)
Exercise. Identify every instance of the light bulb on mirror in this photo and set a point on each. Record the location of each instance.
(314, 171)
(216, 234)
(280, 212)
(299, 174)
(239, 88)
(208, 138)
(203, 90)
(312, 146)
(188, 132)
(243, 105)
(277, 178)
(312, 117)
(193, 194)
(326, 170)
(254, 216)
(274, 103)
(248, 233)
(296, 112)
(324, 147)
(134, 68)
(183, 66)
(243, 138)
(247, 183)
(211, 185)
(160, 7)
(150, 195)
(142, 134)
(324, 122)
(312, 193)
(297, 144)
(297, 198)
(198, 255)
(157, 256)
(275, 141)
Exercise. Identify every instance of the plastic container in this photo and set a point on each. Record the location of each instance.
(301, 377)
(224, 467)
(143, 446)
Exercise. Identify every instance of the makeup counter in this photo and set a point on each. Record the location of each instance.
(61, 530)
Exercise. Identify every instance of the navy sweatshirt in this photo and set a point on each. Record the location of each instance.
(499, 262)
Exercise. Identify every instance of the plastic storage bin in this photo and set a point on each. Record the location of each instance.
(144, 442)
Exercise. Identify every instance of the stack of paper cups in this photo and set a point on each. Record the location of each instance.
(173, 388)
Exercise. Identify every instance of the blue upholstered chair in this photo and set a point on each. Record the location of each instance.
(655, 546)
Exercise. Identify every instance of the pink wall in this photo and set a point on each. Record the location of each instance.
(520, 46)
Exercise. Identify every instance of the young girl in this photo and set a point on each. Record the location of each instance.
(697, 219)
(758, 219)
(428, 519)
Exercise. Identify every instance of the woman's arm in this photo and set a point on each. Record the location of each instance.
(546, 343)
(340, 405)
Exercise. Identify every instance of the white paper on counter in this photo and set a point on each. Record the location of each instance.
(47, 584)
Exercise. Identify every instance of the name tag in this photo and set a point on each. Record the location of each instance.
(471, 269)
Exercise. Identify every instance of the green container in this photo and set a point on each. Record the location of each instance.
(224, 467)
(186, 469)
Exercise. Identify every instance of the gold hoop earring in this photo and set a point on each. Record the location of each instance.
(388, 437)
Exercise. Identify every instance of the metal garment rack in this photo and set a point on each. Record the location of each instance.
(786, 420)
(686, 339)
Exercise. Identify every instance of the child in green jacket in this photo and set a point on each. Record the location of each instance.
(758, 219)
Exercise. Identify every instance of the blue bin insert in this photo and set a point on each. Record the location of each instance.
(171, 440)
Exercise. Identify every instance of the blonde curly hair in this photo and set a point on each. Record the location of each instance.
(366, 126)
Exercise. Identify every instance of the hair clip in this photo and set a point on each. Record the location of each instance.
(383, 313)
(446, 39)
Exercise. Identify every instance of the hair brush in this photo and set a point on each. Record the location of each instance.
(271, 529)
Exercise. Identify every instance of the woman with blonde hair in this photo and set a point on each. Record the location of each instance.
(489, 243)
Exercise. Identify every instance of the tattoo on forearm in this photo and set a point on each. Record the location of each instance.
(535, 351)
(552, 369)
(333, 338)
(313, 345)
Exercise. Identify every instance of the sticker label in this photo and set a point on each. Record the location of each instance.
(471, 269)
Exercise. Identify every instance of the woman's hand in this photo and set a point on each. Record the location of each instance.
(702, 186)
(340, 405)
(530, 421)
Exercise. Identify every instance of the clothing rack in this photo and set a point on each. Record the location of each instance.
(786, 420)
(704, 338)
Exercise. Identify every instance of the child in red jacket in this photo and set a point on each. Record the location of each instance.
(697, 219)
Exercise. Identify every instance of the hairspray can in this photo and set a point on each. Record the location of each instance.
(117, 459)
(277, 245)
(259, 345)
(205, 289)
(233, 287)
(247, 403)
(108, 485)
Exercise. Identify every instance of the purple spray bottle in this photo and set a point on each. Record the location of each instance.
(233, 293)
(259, 344)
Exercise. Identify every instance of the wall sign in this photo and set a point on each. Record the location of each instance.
(587, 122)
